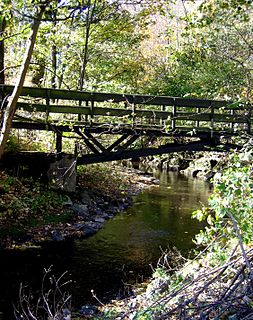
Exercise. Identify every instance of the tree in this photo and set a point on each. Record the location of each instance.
(93, 44)
(211, 56)
(227, 30)
(99, 46)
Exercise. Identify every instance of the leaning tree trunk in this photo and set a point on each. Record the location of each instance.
(9, 112)
(2, 29)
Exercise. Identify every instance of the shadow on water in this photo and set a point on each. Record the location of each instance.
(120, 253)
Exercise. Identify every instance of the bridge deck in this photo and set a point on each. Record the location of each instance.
(129, 117)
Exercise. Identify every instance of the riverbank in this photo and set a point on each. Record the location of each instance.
(31, 213)
(120, 254)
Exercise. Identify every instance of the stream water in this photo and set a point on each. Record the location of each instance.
(120, 254)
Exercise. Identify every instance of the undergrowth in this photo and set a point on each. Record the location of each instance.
(105, 179)
(25, 204)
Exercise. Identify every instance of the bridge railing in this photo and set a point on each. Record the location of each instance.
(170, 113)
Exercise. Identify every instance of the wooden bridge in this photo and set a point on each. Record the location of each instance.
(124, 119)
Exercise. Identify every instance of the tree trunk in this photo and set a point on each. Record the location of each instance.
(2, 29)
(54, 66)
(89, 17)
(54, 57)
(9, 112)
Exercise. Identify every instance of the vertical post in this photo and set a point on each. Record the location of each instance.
(48, 104)
(47, 110)
(174, 114)
(212, 118)
(79, 116)
(76, 150)
(59, 142)
(232, 113)
(249, 118)
(133, 111)
(87, 105)
(162, 122)
(91, 109)
(197, 122)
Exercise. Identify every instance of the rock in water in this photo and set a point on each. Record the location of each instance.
(57, 236)
(62, 174)
(88, 310)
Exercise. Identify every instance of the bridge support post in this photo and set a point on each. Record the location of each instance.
(162, 121)
(174, 114)
(212, 119)
(197, 122)
(249, 119)
(232, 113)
(59, 142)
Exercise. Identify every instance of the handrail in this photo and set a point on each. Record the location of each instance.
(173, 111)
(75, 95)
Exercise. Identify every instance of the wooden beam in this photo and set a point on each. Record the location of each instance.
(117, 142)
(147, 114)
(58, 142)
(96, 142)
(126, 129)
(97, 111)
(87, 141)
(169, 148)
(174, 115)
(128, 143)
(116, 98)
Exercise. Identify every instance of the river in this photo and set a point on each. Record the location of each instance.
(120, 254)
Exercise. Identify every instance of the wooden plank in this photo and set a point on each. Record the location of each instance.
(188, 116)
(107, 128)
(203, 103)
(100, 111)
(52, 109)
(116, 98)
(128, 129)
(90, 96)
(192, 116)
(230, 118)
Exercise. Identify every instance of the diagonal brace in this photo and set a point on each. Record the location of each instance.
(90, 137)
(118, 142)
(87, 142)
(128, 143)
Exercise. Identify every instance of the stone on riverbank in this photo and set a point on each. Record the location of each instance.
(62, 174)
(202, 167)
(81, 210)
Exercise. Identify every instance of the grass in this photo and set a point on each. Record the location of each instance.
(107, 180)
